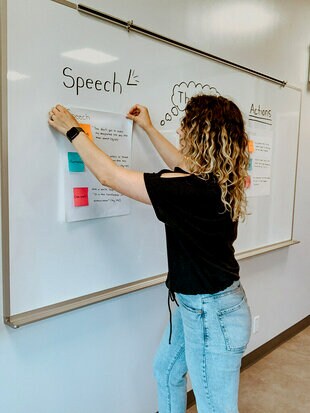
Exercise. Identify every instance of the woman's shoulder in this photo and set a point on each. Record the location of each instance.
(181, 175)
(177, 173)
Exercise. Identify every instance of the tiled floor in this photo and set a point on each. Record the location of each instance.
(280, 382)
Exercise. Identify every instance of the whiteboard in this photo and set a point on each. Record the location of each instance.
(53, 261)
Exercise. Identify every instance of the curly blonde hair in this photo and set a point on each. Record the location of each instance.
(214, 143)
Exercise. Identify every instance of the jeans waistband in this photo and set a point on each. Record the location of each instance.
(236, 285)
(229, 290)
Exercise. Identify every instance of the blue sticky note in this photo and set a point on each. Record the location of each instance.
(250, 167)
(75, 162)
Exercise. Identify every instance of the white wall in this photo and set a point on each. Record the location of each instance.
(99, 359)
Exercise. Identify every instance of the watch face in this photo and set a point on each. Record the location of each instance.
(72, 133)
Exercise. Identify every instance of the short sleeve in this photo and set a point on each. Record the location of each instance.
(157, 190)
(177, 200)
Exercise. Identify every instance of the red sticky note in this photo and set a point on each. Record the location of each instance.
(80, 196)
(247, 182)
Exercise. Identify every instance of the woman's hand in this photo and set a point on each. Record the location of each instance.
(61, 119)
(140, 115)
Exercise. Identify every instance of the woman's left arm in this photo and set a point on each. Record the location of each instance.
(126, 181)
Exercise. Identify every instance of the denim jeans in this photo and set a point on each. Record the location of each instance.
(209, 336)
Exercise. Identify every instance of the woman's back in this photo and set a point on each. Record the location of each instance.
(199, 231)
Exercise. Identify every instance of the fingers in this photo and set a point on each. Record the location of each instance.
(136, 110)
(56, 111)
(53, 116)
(133, 113)
(133, 108)
(58, 108)
(140, 115)
(61, 119)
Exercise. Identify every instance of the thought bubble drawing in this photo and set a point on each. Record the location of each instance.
(182, 92)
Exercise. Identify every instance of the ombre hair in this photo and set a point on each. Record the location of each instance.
(214, 143)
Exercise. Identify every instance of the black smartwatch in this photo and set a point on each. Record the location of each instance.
(73, 133)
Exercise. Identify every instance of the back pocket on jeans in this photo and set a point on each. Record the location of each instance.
(235, 324)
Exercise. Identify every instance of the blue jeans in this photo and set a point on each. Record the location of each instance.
(209, 336)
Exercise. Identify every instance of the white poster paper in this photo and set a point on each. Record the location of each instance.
(259, 173)
(85, 197)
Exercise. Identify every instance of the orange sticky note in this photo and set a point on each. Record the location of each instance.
(80, 196)
(251, 146)
(87, 130)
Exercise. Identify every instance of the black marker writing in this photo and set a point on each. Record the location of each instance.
(110, 85)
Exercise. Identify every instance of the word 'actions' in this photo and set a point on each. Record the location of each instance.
(111, 85)
(260, 111)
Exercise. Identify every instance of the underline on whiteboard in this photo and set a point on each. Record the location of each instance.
(260, 121)
(260, 117)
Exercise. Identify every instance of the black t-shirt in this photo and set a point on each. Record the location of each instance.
(199, 232)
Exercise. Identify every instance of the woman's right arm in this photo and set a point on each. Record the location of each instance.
(169, 153)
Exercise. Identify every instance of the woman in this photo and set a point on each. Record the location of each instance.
(200, 198)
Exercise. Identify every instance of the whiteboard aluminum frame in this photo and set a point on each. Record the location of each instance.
(21, 319)
(4, 162)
